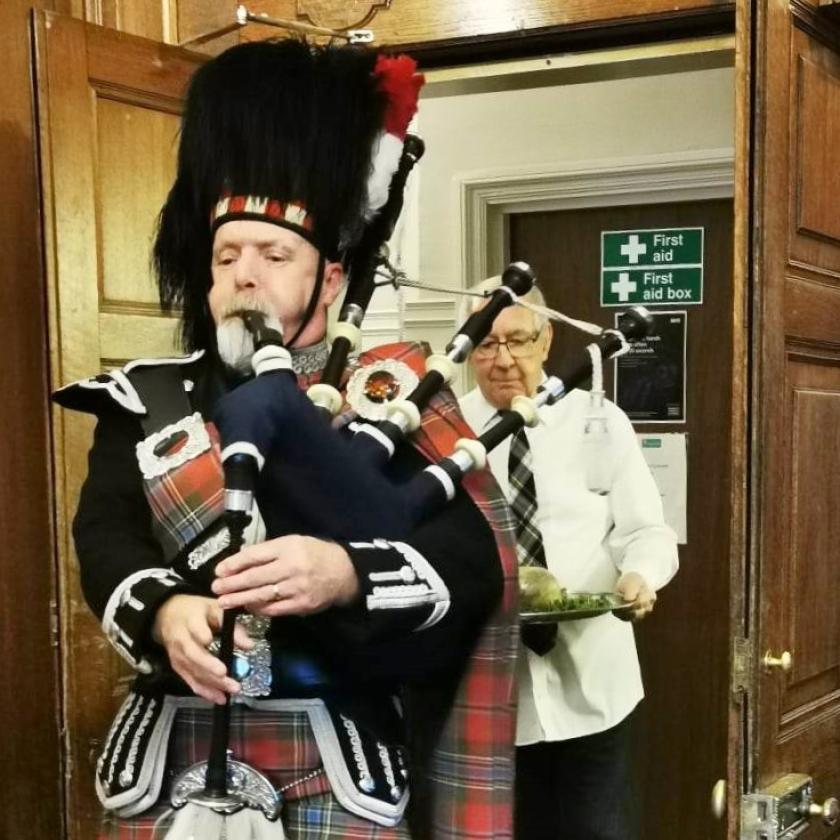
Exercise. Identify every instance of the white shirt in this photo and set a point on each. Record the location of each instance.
(591, 680)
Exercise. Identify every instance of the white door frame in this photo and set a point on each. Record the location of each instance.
(487, 199)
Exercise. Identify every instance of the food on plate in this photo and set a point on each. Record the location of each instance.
(539, 591)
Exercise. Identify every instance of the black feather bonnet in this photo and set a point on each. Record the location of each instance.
(278, 131)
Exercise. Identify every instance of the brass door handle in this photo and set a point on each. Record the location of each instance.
(829, 811)
(783, 662)
(719, 799)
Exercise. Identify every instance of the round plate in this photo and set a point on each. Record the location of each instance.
(617, 604)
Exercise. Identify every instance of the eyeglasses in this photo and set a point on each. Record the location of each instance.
(518, 347)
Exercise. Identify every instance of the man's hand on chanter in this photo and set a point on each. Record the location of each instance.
(291, 575)
(185, 625)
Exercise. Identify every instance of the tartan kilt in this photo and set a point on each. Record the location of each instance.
(281, 745)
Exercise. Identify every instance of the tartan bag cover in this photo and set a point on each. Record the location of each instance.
(187, 500)
(472, 764)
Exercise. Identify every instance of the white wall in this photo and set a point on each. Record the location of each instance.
(535, 130)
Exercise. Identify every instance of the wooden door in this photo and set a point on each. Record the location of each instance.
(681, 730)
(796, 398)
(108, 106)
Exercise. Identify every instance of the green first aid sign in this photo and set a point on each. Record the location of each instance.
(661, 266)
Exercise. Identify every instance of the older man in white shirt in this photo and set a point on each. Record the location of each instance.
(600, 517)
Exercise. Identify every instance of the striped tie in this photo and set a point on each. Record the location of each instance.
(523, 500)
(530, 551)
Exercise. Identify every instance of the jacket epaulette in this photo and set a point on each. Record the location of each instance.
(114, 388)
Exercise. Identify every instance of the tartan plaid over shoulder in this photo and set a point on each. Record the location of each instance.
(187, 500)
(472, 765)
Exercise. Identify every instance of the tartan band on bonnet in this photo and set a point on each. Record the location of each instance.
(291, 215)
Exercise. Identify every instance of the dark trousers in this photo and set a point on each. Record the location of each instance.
(580, 789)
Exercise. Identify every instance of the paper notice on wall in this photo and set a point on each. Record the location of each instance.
(666, 456)
(650, 379)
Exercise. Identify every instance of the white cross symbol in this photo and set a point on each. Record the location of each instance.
(623, 286)
(633, 248)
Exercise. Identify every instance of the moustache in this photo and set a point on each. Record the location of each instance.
(245, 302)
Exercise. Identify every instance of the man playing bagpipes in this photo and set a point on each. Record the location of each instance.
(370, 672)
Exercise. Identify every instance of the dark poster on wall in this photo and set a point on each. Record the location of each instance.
(650, 379)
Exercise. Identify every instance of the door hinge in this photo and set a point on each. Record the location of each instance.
(742, 651)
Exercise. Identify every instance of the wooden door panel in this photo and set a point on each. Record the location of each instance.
(814, 530)
(138, 67)
(135, 146)
(815, 156)
(812, 308)
(108, 106)
(796, 478)
(124, 336)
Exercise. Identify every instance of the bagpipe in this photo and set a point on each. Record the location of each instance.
(274, 437)
(280, 448)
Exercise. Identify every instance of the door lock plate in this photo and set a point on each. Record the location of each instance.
(779, 812)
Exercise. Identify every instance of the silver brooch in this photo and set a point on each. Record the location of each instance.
(252, 668)
(372, 387)
(172, 446)
(209, 548)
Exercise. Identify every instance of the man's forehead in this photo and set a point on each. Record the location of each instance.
(514, 319)
(252, 232)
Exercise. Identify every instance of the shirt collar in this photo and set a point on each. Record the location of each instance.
(486, 413)
(311, 359)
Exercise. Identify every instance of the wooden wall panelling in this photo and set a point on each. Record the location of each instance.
(810, 698)
(30, 772)
(155, 19)
(196, 17)
(30, 789)
(414, 21)
(407, 21)
(138, 17)
(466, 22)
